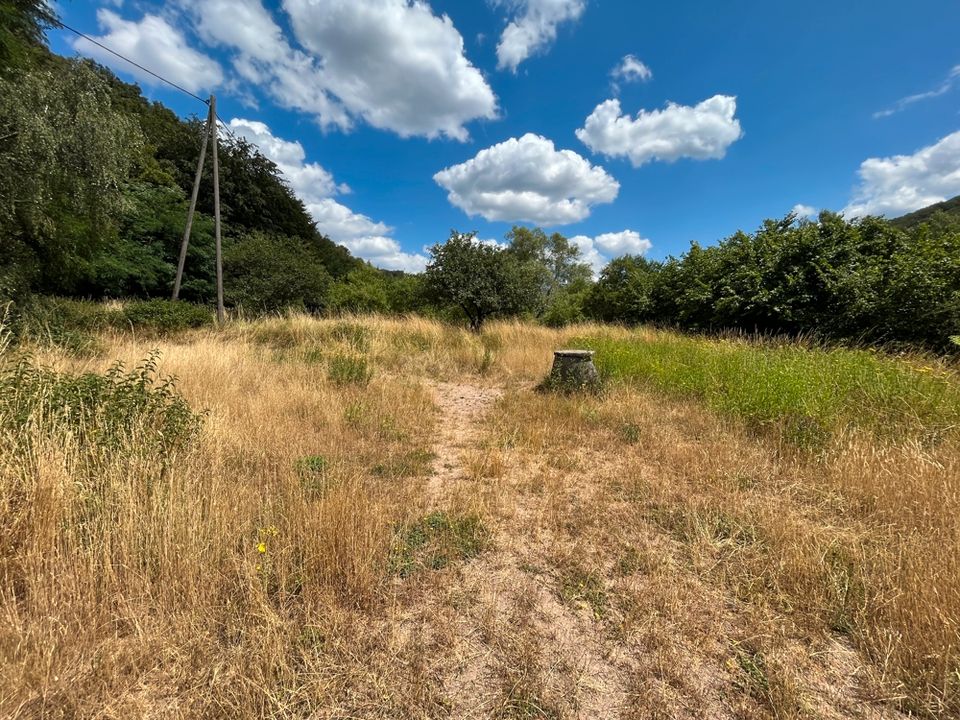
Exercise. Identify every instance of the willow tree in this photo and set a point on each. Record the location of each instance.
(64, 157)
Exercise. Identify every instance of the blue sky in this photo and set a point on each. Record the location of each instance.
(631, 126)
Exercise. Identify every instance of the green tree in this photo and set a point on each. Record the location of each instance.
(22, 27)
(483, 280)
(624, 292)
(266, 272)
(64, 156)
(363, 290)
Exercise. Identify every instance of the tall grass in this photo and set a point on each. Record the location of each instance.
(252, 539)
(807, 394)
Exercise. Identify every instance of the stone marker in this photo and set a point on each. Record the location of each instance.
(573, 371)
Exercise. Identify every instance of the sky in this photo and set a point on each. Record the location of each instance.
(630, 127)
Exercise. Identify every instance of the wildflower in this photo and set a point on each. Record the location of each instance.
(261, 547)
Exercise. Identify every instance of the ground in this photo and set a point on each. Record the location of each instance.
(388, 519)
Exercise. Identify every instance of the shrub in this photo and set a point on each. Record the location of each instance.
(349, 370)
(135, 411)
(165, 316)
(67, 324)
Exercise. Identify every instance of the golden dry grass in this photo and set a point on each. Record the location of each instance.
(638, 556)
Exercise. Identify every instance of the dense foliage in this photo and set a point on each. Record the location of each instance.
(864, 280)
(481, 279)
(94, 182)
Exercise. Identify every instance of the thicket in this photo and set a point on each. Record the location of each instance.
(861, 281)
(94, 181)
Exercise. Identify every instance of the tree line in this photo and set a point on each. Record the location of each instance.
(94, 181)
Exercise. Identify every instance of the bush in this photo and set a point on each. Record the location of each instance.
(136, 412)
(349, 370)
(270, 272)
(68, 324)
(164, 316)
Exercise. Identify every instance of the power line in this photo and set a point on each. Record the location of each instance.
(135, 64)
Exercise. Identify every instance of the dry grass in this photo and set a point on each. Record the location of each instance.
(344, 540)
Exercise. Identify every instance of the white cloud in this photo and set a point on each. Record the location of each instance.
(701, 132)
(153, 43)
(903, 183)
(315, 186)
(390, 63)
(599, 251)
(395, 64)
(527, 179)
(952, 79)
(309, 180)
(632, 69)
(533, 28)
(804, 212)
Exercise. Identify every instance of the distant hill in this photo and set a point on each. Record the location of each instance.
(950, 207)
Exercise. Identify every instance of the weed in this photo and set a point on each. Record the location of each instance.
(753, 668)
(349, 370)
(630, 432)
(313, 471)
(435, 541)
(579, 585)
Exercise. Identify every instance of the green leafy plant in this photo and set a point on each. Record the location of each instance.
(349, 370)
(166, 316)
(435, 541)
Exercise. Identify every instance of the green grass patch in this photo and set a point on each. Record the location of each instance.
(435, 541)
(805, 395)
(412, 464)
(578, 585)
(349, 370)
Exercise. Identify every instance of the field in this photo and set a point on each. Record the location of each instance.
(384, 518)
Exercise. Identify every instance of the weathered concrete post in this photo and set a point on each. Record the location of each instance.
(573, 371)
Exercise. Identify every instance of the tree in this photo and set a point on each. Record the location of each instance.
(22, 26)
(363, 290)
(624, 292)
(64, 157)
(483, 280)
(265, 272)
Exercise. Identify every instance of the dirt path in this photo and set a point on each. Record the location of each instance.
(463, 407)
(518, 645)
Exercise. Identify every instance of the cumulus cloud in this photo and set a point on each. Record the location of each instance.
(701, 132)
(528, 179)
(804, 212)
(390, 63)
(395, 64)
(315, 186)
(533, 28)
(153, 43)
(904, 183)
(598, 251)
(631, 69)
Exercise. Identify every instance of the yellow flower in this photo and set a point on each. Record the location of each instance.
(261, 548)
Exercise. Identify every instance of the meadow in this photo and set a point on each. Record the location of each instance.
(383, 517)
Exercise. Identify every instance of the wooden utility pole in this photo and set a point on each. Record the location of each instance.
(216, 206)
(193, 206)
(209, 135)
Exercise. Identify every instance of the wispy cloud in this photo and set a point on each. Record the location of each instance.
(952, 79)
